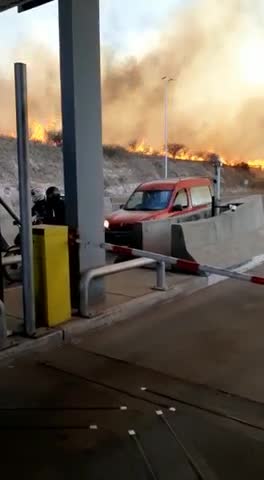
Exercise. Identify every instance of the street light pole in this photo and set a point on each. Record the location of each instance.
(166, 129)
(217, 184)
(166, 83)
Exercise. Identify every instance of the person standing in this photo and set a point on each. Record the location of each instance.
(55, 207)
(39, 208)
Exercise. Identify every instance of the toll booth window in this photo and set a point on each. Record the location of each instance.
(200, 196)
(181, 199)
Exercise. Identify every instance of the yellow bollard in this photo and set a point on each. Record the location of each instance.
(51, 275)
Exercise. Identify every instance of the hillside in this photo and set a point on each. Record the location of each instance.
(122, 170)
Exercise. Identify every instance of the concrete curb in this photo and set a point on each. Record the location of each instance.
(121, 312)
(52, 338)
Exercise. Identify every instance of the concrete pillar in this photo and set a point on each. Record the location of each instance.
(81, 119)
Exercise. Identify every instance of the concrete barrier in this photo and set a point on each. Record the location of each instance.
(226, 240)
(156, 234)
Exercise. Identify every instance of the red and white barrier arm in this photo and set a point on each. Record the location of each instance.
(186, 265)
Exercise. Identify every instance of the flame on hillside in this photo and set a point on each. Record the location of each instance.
(175, 151)
(49, 134)
(180, 152)
(40, 133)
(52, 135)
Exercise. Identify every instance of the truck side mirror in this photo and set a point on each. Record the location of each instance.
(177, 208)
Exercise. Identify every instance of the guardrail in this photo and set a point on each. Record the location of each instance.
(148, 258)
(11, 260)
(90, 275)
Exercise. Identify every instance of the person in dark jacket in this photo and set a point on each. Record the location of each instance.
(55, 207)
(39, 209)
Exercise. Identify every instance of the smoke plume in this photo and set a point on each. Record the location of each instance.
(213, 49)
(43, 88)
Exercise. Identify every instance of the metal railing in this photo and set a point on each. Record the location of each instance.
(11, 260)
(91, 275)
(10, 211)
(148, 258)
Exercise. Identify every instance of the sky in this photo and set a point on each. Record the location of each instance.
(128, 31)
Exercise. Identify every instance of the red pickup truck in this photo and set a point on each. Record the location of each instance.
(158, 200)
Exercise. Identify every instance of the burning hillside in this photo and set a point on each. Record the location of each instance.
(175, 151)
(212, 50)
(39, 133)
(181, 152)
(51, 136)
(123, 169)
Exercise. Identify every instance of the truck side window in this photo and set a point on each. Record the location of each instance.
(181, 199)
(201, 196)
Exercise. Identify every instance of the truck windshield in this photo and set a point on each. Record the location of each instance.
(149, 200)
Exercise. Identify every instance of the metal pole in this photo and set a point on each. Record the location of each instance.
(1, 270)
(94, 273)
(217, 184)
(161, 276)
(24, 198)
(82, 139)
(3, 327)
(166, 128)
(166, 85)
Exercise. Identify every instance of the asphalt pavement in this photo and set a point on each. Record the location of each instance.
(214, 337)
(176, 392)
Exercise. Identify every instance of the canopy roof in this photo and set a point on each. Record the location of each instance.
(22, 4)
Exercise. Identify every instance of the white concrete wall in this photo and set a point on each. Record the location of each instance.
(156, 234)
(228, 239)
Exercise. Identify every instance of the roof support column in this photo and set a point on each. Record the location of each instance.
(82, 132)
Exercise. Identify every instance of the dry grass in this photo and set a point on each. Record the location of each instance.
(121, 168)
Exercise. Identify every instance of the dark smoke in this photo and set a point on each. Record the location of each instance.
(214, 102)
